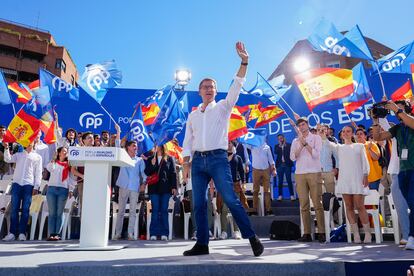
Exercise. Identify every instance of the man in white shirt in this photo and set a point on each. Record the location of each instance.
(43, 150)
(26, 182)
(206, 140)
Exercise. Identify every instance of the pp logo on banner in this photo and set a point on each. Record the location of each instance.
(89, 119)
(138, 131)
(333, 48)
(61, 85)
(97, 77)
(74, 152)
(395, 62)
(248, 136)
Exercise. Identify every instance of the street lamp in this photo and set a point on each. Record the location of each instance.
(182, 78)
(301, 64)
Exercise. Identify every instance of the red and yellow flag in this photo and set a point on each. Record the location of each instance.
(324, 84)
(149, 113)
(268, 114)
(23, 95)
(23, 129)
(48, 129)
(237, 126)
(403, 93)
(174, 150)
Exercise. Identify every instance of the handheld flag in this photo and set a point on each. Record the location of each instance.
(403, 93)
(174, 150)
(268, 114)
(237, 126)
(138, 132)
(99, 77)
(57, 86)
(326, 38)
(254, 137)
(324, 84)
(398, 61)
(150, 113)
(264, 90)
(23, 95)
(361, 93)
(4, 91)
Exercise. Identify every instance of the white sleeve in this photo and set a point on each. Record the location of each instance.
(188, 138)
(234, 92)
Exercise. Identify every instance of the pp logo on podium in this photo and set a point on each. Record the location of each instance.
(74, 152)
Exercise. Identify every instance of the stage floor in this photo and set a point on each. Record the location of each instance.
(228, 257)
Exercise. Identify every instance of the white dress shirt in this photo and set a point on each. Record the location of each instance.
(28, 169)
(262, 157)
(208, 130)
(43, 150)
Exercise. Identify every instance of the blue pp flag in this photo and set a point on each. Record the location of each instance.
(138, 133)
(99, 77)
(266, 92)
(169, 122)
(39, 106)
(362, 92)
(57, 86)
(184, 104)
(160, 96)
(255, 137)
(398, 61)
(4, 91)
(326, 38)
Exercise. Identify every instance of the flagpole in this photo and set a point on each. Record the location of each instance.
(277, 94)
(110, 116)
(381, 80)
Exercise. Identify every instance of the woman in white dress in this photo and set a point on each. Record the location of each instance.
(353, 181)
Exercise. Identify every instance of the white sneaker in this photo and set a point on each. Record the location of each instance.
(131, 237)
(153, 238)
(194, 237)
(9, 237)
(403, 242)
(117, 237)
(164, 238)
(279, 198)
(223, 236)
(292, 198)
(410, 243)
(237, 235)
(22, 237)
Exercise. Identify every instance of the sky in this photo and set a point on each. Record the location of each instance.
(149, 40)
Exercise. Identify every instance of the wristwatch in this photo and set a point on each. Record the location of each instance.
(399, 111)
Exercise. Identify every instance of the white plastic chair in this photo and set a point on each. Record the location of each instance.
(372, 199)
(217, 221)
(4, 205)
(67, 218)
(381, 191)
(43, 215)
(187, 217)
(395, 220)
(260, 207)
(115, 211)
(37, 202)
(329, 223)
(3, 185)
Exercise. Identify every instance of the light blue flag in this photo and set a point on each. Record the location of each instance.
(184, 104)
(57, 86)
(265, 91)
(4, 91)
(160, 96)
(255, 137)
(398, 61)
(99, 77)
(138, 132)
(40, 106)
(362, 91)
(169, 122)
(326, 38)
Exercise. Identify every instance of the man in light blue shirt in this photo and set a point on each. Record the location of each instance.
(130, 182)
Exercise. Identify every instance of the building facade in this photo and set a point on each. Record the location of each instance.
(24, 49)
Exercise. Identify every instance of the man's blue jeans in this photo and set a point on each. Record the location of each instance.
(214, 165)
(20, 196)
(281, 171)
(159, 216)
(56, 199)
(406, 181)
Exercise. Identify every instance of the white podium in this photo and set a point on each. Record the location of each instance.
(96, 193)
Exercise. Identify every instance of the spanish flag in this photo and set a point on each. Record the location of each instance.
(403, 93)
(150, 113)
(255, 111)
(352, 106)
(23, 129)
(174, 150)
(324, 84)
(237, 126)
(48, 129)
(23, 95)
(268, 114)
